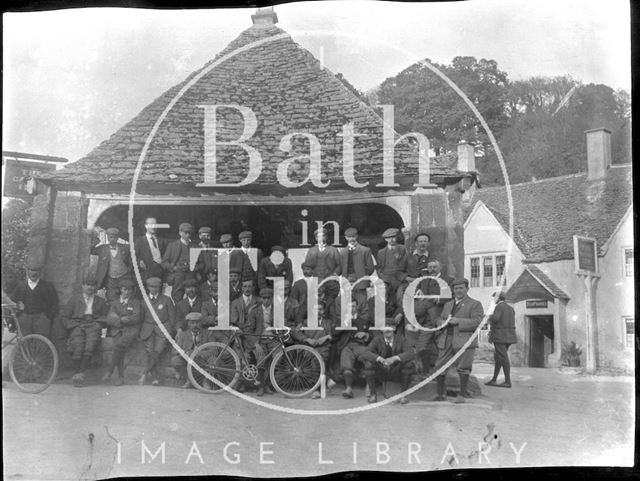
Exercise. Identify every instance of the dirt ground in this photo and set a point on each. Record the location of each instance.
(548, 418)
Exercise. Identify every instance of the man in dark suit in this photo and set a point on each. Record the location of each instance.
(124, 318)
(392, 264)
(149, 250)
(262, 318)
(83, 316)
(387, 358)
(36, 302)
(192, 302)
(299, 288)
(350, 344)
(188, 340)
(324, 259)
(356, 262)
(502, 334)
(249, 270)
(235, 284)
(114, 264)
(176, 261)
(240, 309)
(462, 315)
(418, 261)
(152, 337)
(207, 259)
(276, 265)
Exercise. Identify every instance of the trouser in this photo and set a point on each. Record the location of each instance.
(426, 349)
(154, 346)
(376, 372)
(34, 324)
(83, 341)
(501, 359)
(463, 366)
(265, 347)
(122, 341)
(348, 358)
(180, 364)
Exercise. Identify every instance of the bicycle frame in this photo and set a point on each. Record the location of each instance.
(9, 314)
(237, 336)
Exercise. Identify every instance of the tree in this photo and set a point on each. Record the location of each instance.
(425, 103)
(15, 229)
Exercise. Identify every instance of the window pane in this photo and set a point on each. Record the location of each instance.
(628, 262)
(487, 271)
(500, 262)
(475, 272)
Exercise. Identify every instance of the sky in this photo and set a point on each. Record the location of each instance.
(73, 77)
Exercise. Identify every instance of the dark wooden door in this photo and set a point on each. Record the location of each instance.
(540, 327)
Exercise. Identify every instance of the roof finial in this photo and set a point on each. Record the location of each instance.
(264, 16)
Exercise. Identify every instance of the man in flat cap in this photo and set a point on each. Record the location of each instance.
(235, 283)
(124, 319)
(502, 334)
(151, 335)
(418, 261)
(204, 233)
(249, 269)
(114, 263)
(192, 302)
(207, 259)
(325, 260)
(149, 250)
(83, 317)
(176, 261)
(462, 316)
(262, 318)
(356, 262)
(241, 307)
(188, 340)
(276, 265)
(36, 301)
(299, 288)
(392, 263)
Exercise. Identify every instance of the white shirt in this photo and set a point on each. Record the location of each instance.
(321, 247)
(246, 299)
(155, 251)
(33, 284)
(89, 302)
(191, 301)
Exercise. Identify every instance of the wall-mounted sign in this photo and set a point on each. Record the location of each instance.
(20, 170)
(537, 304)
(585, 253)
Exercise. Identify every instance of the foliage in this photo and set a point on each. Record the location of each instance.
(571, 353)
(15, 228)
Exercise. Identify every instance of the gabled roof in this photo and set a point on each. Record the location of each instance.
(287, 89)
(549, 212)
(533, 283)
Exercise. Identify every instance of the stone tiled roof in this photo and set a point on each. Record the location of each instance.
(549, 212)
(546, 282)
(287, 89)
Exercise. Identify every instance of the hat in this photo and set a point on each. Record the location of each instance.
(89, 281)
(461, 281)
(193, 316)
(245, 234)
(126, 283)
(307, 264)
(237, 270)
(278, 248)
(185, 227)
(391, 232)
(154, 281)
(424, 234)
(113, 230)
(226, 238)
(204, 230)
(34, 266)
(266, 291)
(351, 232)
(323, 230)
(190, 283)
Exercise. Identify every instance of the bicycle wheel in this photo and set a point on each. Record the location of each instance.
(34, 363)
(219, 361)
(295, 372)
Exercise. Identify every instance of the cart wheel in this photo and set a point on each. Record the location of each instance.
(34, 363)
(296, 371)
(219, 361)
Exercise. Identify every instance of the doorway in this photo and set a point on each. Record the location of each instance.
(541, 337)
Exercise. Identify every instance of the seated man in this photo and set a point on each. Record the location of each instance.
(188, 339)
(83, 317)
(190, 303)
(262, 319)
(356, 343)
(211, 278)
(387, 358)
(124, 318)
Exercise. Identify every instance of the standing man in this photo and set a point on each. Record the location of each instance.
(176, 261)
(262, 319)
(204, 234)
(149, 249)
(356, 262)
(502, 334)
(152, 337)
(418, 262)
(276, 265)
(114, 264)
(124, 318)
(249, 270)
(240, 309)
(207, 260)
(36, 301)
(354, 344)
(325, 261)
(464, 315)
(299, 288)
(392, 263)
(83, 317)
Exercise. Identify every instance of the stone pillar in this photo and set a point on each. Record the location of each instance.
(40, 226)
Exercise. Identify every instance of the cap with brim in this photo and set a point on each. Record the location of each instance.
(245, 234)
(392, 232)
(351, 232)
(307, 265)
(235, 270)
(226, 238)
(324, 231)
(266, 291)
(154, 282)
(190, 283)
(459, 282)
(278, 249)
(185, 227)
(424, 234)
(193, 316)
(34, 266)
(113, 231)
(204, 230)
(126, 283)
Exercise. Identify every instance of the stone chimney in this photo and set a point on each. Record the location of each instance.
(598, 153)
(466, 157)
(264, 17)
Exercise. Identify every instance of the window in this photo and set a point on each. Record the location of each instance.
(487, 271)
(475, 272)
(629, 332)
(628, 262)
(500, 262)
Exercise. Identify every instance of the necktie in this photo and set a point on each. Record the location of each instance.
(455, 307)
(153, 239)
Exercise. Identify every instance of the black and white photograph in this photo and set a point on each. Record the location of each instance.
(308, 238)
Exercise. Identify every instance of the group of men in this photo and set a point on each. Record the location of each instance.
(395, 352)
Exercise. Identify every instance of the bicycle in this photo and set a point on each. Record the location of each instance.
(295, 371)
(33, 364)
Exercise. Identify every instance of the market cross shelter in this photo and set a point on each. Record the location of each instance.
(289, 91)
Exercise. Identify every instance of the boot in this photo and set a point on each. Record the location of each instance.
(348, 381)
(440, 389)
(464, 380)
